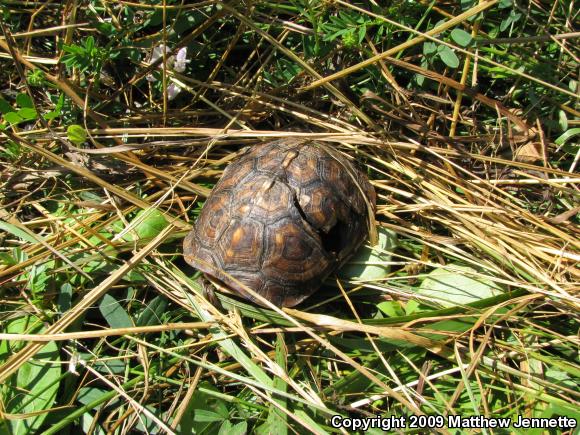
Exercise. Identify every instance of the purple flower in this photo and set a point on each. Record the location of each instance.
(181, 60)
(176, 63)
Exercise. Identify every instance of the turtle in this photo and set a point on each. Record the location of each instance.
(283, 217)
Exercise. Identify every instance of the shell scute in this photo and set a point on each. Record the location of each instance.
(303, 171)
(263, 198)
(293, 254)
(211, 225)
(238, 246)
(235, 174)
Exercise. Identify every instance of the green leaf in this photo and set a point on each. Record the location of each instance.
(76, 134)
(74, 49)
(512, 18)
(14, 230)
(561, 140)
(203, 411)
(90, 394)
(65, 297)
(448, 57)
(114, 313)
(362, 31)
(429, 47)
(454, 285)
(150, 223)
(27, 113)
(420, 79)
(229, 428)
(131, 54)
(59, 103)
(411, 307)
(38, 278)
(33, 389)
(391, 308)
(5, 107)
(206, 416)
(146, 224)
(561, 378)
(505, 24)
(134, 277)
(106, 28)
(371, 263)
(107, 367)
(51, 115)
(461, 37)
(7, 259)
(19, 255)
(153, 312)
(90, 44)
(89, 424)
(24, 100)
(13, 117)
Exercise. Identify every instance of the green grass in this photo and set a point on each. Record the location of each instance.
(464, 115)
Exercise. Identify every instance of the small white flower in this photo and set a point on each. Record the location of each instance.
(181, 60)
(157, 52)
(72, 364)
(176, 63)
(172, 91)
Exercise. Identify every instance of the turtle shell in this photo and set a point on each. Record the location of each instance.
(282, 218)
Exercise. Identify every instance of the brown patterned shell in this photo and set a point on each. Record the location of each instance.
(281, 219)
